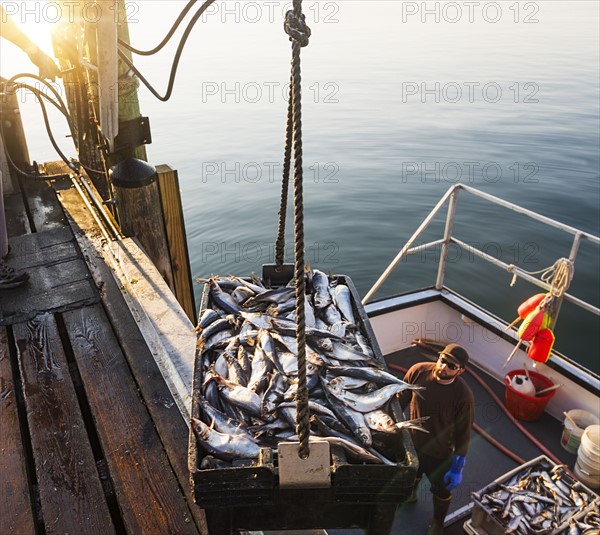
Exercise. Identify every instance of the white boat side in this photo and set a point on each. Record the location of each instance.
(446, 317)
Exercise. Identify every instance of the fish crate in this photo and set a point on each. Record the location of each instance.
(247, 495)
(484, 521)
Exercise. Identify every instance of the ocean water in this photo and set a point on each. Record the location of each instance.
(400, 101)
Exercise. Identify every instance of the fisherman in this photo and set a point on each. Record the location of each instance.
(448, 402)
(9, 277)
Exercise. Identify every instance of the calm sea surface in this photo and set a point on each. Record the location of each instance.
(401, 100)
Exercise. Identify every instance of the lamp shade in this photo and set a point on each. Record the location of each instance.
(132, 173)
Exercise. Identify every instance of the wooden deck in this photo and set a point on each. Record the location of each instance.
(91, 438)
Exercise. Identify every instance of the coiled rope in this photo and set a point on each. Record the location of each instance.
(558, 276)
(299, 33)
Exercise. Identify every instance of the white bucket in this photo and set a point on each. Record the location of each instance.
(587, 467)
(571, 436)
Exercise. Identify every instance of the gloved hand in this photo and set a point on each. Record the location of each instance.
(44, 63)
(453, 477)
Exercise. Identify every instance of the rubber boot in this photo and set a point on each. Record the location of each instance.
(440, 510)
(412, 498)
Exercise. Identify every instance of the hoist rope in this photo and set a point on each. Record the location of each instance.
(289, 133)
(295, 26)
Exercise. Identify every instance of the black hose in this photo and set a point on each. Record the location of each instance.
(176, 59)
(60, 105)
(49, 130)
(159, 47)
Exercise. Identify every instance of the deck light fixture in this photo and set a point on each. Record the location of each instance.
(132, 173)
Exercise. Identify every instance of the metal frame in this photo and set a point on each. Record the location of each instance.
(452, 196)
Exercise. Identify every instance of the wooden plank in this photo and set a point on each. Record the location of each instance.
(59, 278)
(70, 491)
(16, 516)
(44, 209)
(146, 488)
(170, 198)
(17, 223)
(40, 248)
(165, 414)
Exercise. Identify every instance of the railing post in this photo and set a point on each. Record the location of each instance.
(572, 255)
(408, 245)
(439, 283)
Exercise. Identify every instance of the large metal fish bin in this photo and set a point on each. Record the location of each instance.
(248, 496)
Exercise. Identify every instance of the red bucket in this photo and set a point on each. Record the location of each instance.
(523, 407)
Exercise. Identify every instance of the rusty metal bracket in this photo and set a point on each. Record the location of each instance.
(132, 134)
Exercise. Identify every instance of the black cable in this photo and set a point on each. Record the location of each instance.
(60, 105)
(43, 81)
(49, 131)
(176, 59)
(91, 170)
(38, 93)
(183, 13)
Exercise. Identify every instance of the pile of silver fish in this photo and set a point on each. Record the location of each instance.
(538, 500)
(248, 359)
(589, 524)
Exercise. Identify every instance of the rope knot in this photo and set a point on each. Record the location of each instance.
(295, 26)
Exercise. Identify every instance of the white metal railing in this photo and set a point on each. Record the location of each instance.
(451, 195)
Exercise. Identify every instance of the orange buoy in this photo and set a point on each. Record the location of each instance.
(527, 307)
(541, 346)
(532, 324)
(530, 305)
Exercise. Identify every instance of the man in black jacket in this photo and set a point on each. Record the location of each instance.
(448, 402)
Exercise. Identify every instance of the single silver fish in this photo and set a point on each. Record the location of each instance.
(343, 300)
(364, 344)
(241, 294)
(366, 402)
(220, 339)
(223, 299)
(261, 366)
(347, 383)
(256, 286)
(223, 445)
(320, 283)
(208, 316)
(331, 315)
(220, 421)
(344, 352)
(354, 420)
(273, 394)
(371, 374)
(240, 396)
(214, 327)
(244, 361)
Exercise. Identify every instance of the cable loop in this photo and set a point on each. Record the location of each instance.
(295, 26)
